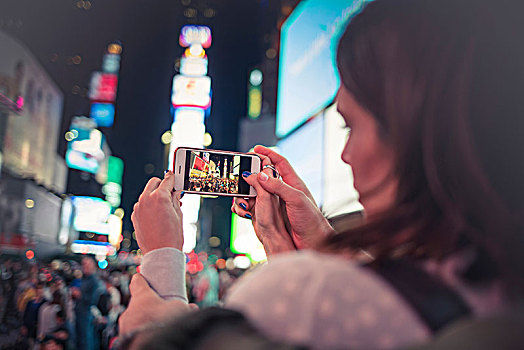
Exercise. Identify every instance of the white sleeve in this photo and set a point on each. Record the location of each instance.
(165, 271)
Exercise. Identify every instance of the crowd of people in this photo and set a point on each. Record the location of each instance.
(60, 305)
(213, 184)
(73, 304)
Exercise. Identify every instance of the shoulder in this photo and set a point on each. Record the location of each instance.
(324, 300)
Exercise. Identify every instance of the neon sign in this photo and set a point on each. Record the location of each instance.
(103, 87)
(191, 91)
(195, 35)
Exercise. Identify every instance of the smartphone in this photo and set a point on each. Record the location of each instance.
(212, 172)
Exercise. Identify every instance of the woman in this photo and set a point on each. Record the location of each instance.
(431, 94)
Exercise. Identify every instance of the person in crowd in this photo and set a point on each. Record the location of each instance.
(60, 332)
(47, 314)
(435, 119)
(50, 343)
(86, 297)
(31, 312)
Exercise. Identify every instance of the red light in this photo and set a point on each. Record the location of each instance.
(138, 268)
(221, 263)
(30, 254)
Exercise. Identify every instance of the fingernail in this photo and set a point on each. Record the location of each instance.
(248, 216)
(182, 194)
(243, 206)
(246, 173)
(263, 177)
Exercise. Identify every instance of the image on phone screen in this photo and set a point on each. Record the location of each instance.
(210, 172)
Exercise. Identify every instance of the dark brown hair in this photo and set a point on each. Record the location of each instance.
(444, 81)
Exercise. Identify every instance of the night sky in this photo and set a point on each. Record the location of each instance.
(56, 30)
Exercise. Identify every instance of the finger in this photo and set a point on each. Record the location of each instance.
(285, 170)
(193, 306)
(240, 207)
(168, 184)
(152, 185)
(281, 164)
(280, 188)
(242, 203)
(252, 181)
(178, 195)
(241, 212)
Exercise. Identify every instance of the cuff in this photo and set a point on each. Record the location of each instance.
(165, 271)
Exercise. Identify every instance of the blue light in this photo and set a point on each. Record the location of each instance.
(102, 264)
(103, 114)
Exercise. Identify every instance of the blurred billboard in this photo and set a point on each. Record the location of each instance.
(84, 149)
(31, 134)
(91, 215)
(307, 161)
(308, 80)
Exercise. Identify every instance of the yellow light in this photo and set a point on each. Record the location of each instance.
(114, 49)
(29, 203)
(120, 213)
(167, 137)
(271, 53)
(69, 136)
(198, 54)
(214, 241)
(208, 140)
(126, 243)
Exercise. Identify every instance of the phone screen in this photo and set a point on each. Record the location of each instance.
(214, 172)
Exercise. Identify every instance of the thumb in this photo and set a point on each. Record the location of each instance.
(168, 183)
(140, 286)
(280, 188)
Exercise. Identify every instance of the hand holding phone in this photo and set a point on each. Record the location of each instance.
(212, 172)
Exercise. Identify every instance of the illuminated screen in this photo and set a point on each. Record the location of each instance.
(339, 194)
(91, 215)
(308, 79)
(244, 239)
(103, 114)
(191, 91)
(213, 172)
(85, 153)
(304, 149)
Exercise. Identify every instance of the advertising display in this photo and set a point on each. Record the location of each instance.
(192, 66)
(112, 188)
(66, 221)
(191, 102)
(103, 114)
(308, 80)
(92, 247)
(84, 151)
(111, 63)
(340, 196)
(244, 239)
(29, 217)
(103, 87)
(195, 35)
(91, 215)
(191, 91)
(33, 124)
(304, 149)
